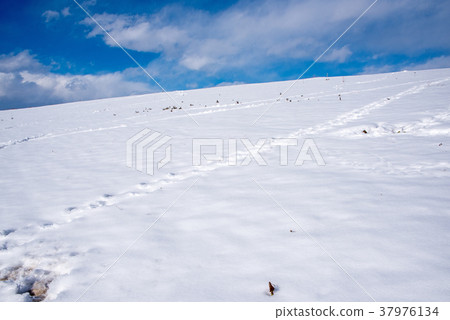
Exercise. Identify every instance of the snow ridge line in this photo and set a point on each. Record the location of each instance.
(313, 95)
(304, 97)
(263, 102)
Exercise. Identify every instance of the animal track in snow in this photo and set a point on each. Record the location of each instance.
(52, 135)
(12, 143)
(363, 111)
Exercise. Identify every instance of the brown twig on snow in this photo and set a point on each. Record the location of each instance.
(271, 288)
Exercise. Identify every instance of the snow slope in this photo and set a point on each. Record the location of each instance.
(373, 223)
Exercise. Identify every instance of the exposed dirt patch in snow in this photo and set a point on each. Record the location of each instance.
(31, 283)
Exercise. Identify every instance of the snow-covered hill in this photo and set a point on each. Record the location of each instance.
(372, 223)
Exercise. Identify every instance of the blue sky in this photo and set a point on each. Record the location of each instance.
(51, 52)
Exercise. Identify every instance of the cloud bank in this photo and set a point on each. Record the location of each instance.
(250, 34)
(24, 81)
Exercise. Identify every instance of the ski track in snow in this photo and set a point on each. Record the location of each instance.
(14, 239)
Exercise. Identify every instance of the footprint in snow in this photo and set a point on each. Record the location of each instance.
(133, 194)
(7, 232)
(48, 225)
(97, 204)
(71, 209)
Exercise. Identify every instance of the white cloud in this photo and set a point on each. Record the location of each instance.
(138, 33)
(50, 15)
(251, 34)
(433, 63)
(405, 27)
(89, 3)
(373, 69)
(239, 36)
(65, 12)
(226, 84)
(194, 62)
(19, 62)
(340, 55)
(24, 81)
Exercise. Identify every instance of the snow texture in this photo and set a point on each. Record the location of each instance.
(372, 223)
